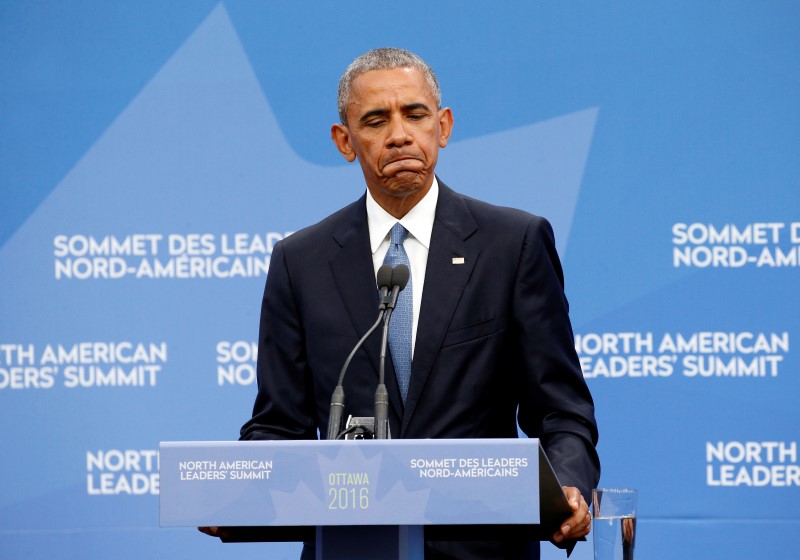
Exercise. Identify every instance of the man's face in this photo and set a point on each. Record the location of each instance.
(395, 131)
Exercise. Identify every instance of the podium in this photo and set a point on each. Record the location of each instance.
(363, 498)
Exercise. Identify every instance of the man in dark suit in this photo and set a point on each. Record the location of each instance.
(490, 338)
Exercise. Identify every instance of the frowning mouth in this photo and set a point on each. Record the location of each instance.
(402, 160)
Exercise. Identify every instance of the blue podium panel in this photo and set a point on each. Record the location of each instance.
(376, 542)
(388, 482)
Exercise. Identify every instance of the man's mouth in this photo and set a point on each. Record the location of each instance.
(402, 162)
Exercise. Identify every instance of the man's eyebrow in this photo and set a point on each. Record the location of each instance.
(373, 113)
(415, 107)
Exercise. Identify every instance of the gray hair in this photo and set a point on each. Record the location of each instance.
(383, 59)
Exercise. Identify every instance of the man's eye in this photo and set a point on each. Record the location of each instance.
(375, 123)
(416, 116)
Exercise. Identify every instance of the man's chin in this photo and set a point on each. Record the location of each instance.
(405, 183)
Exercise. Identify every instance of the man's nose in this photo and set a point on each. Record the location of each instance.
(398, 133)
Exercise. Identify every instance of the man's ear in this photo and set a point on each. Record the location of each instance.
(340, 135)
(445, 126)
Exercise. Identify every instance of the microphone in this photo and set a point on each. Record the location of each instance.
(336, 411)
(384, 280)
(400, 276)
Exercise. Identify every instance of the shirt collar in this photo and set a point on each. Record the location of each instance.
(418, 221)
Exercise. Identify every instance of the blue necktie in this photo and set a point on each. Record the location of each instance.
(401, 322)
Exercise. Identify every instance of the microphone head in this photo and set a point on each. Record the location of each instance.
(400, 276)
(384, 278)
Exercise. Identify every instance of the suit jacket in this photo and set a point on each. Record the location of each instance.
(494, 343)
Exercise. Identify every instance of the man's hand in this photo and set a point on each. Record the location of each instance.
(580, 522)
(220, 532)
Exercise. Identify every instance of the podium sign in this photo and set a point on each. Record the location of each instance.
(357, 482)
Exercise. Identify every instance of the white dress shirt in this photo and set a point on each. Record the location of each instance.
(419, 223)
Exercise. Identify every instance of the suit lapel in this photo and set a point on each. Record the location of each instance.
(352, 267)
(445, 279)
(354, 276)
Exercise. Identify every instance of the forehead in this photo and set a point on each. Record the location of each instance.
(381, 87)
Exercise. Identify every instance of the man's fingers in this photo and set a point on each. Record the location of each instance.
(580, 522)
(220, 532)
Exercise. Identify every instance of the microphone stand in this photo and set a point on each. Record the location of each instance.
(381, 395)
(337, 398)
(400, 276)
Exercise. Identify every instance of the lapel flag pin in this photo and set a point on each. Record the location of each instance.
(458, 260)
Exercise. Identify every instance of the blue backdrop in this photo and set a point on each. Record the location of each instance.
(152, 153)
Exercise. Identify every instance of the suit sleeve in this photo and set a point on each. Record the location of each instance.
(556, 405)
(284, 406)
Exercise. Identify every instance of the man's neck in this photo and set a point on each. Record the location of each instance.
(399, 206)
